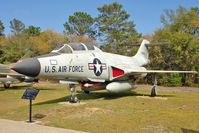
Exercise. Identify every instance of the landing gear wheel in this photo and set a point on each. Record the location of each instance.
(87, 92)
(73, 98)
(6, 86)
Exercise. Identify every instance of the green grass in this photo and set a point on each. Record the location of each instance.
(106, 112)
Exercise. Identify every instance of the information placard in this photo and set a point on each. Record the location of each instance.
(30, 94)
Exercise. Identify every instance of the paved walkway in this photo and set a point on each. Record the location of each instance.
(9, 126)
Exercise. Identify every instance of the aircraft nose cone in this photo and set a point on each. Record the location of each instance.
(30, 67)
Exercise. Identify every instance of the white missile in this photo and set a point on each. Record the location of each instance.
(119, 86)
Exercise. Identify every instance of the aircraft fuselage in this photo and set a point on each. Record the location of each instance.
(82, 66)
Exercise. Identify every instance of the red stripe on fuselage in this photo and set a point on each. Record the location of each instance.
(117, 72)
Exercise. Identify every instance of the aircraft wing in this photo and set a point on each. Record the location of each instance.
(155, 71)
(10, 78)
(14, 75)
(123, 72)
(15, 78)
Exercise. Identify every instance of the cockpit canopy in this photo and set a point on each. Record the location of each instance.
(75, 48)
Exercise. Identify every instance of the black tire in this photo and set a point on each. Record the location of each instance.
(153, 92)
(87, 92)
(6, 86)
(73, 99)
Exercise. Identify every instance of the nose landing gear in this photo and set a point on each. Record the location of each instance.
(73, 98)
(6, 85)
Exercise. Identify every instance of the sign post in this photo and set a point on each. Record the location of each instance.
(31, 95)
(30, 113)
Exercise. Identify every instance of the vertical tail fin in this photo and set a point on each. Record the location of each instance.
(142, 56)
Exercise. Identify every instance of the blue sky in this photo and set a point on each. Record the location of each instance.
(52, 14)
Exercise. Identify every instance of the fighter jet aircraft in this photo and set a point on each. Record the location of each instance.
(8, 77)
(85, 64)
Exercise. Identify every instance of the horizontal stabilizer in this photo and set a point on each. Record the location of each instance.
(154, 44)
(157, 44)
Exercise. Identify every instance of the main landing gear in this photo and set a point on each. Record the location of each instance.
(6, 86)
(87, 92)
(73, 98)
(154, 88)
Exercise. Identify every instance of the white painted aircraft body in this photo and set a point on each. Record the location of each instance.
(85, 64)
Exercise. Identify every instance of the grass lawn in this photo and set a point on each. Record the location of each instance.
(105, 112)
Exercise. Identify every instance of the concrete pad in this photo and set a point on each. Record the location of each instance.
(10, 126)
(72, 104)
(148, 97)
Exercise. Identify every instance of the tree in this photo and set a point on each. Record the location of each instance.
(18, 46)
(46, 42)
(1, 29)
(183, 50)
(115, 29)
(82, 39)
(32, 31)
(14, 47)
(80, 24)
(182, 20)
(16, 26)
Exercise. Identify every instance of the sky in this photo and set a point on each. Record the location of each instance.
(52, 14)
